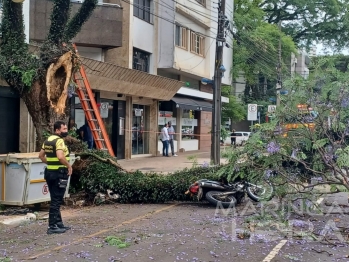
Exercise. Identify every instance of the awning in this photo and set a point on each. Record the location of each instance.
(112, 78)
(192, 104)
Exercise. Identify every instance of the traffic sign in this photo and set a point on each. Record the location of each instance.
(252, 112)
(271, 108)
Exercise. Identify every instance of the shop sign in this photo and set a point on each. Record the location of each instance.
(189, 122)
(163, 120)
(165, 113)
(104, 110)
(138, 112)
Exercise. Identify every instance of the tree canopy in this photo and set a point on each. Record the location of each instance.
(256, 47)
(309, 21)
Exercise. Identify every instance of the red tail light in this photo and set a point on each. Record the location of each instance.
(194, 189)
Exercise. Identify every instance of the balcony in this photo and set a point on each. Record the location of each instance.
(103, 29)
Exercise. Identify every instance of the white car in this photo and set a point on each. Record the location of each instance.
(241, 138)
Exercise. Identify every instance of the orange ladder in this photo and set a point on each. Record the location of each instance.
(91, 110)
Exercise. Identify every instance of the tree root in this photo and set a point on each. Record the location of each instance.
(105, 160)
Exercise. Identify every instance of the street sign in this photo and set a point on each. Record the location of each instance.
(283, 92)
(252, 112)
(271, 108)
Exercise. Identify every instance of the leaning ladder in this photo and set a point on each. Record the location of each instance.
(91, 110)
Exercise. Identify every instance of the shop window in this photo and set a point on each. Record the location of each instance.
(189, 124)
(141, 60)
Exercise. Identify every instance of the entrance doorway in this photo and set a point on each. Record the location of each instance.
(140, 127)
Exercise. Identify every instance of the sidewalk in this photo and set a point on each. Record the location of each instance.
(166, 164)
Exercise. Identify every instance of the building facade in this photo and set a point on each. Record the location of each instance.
(122, 92)
(144, 61)
(186, 42)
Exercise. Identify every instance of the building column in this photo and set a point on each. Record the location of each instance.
(27, 134)
(128, 128)
(179, 128)
(153, 128)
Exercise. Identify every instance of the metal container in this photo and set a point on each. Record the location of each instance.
(22, 179)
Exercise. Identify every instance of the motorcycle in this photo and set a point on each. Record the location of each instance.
(228, 195)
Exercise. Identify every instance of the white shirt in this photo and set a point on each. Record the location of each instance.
(164, 134)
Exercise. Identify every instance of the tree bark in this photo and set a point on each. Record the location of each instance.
(47, 99)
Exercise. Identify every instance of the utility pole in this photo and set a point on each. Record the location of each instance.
(279, 78)
(217, 98)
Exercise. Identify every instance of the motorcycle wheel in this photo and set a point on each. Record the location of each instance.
(264, 191)
(216, 198)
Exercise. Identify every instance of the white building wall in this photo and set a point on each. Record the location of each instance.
(143, 35)
(26, 12)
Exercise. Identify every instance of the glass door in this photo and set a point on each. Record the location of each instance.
(139, 134)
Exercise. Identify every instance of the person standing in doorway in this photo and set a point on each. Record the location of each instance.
(164, 138)
(171, 132)
(55, 154)
(86, 135)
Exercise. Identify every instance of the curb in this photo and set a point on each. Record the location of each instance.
(17, 220)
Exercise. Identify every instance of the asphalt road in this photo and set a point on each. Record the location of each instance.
(169, 232)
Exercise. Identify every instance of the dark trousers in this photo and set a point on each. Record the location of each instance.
(89, 144)
(57, 194)
(165, 148)
(172, 146)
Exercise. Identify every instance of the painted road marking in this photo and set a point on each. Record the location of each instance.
(103, 231)
(275, 251)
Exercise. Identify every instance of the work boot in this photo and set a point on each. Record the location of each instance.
(55, 230)
(61, 225)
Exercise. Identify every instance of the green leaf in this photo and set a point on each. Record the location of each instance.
(320, 143)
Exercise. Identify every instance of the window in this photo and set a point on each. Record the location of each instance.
(197, 44)
(141, 60)
(201, 2)
(181, 37)
(141, 9)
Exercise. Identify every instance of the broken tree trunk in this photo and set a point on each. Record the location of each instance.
(47, 99)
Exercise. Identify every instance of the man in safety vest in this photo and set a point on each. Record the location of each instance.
(55, 154)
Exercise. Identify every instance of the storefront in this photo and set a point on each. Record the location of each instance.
(191, 120)
(10, 118)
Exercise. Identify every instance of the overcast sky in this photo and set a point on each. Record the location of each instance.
(320, 50)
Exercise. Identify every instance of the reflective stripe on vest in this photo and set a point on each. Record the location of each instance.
(53, 162)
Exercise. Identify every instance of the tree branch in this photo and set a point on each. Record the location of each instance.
(59, 18)
(75, 24)
(12, 28)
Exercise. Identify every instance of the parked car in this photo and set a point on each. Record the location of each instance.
(241, 138)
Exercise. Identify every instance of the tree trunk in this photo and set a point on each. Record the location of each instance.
(47, 99)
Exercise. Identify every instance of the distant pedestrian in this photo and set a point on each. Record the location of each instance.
(171, 132)
(165, 139)
(86, 135)
(233, 138)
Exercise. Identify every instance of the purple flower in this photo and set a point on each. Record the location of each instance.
(268, 173)
(205, 164)
(273, 147)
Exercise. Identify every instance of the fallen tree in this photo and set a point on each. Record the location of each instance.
(97, 172)
(304, 150)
